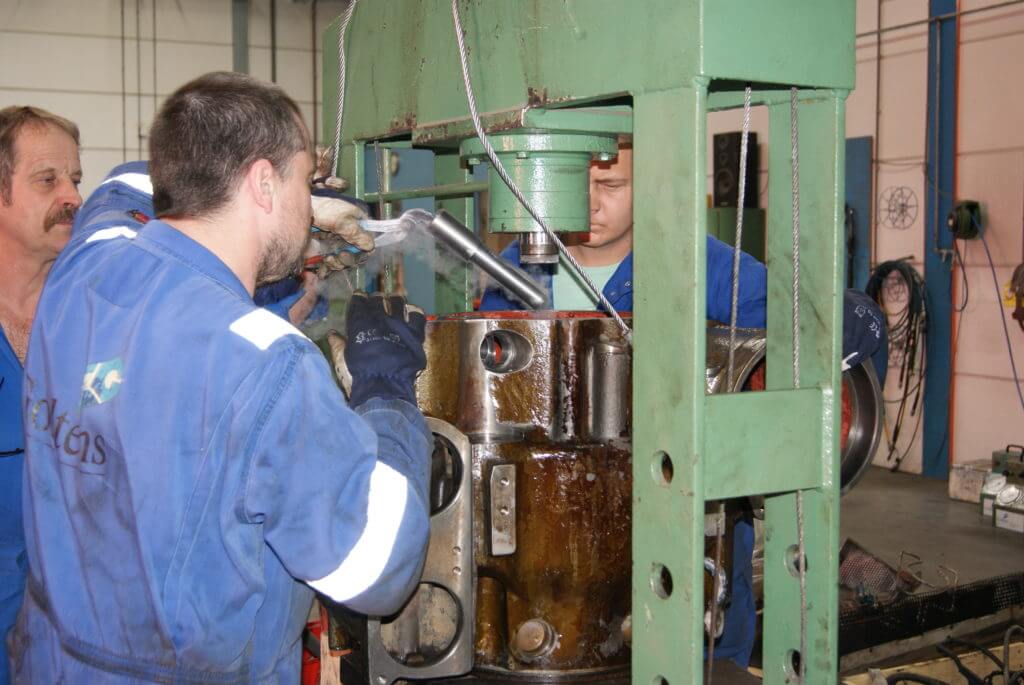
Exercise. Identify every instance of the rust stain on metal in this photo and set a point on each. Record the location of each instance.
(404, 125)
(535, 97)
(434, 132)
(572, 563)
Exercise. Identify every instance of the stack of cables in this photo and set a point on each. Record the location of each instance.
(907, 331)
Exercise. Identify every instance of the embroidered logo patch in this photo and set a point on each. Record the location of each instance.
(102, 382)
(138, 216)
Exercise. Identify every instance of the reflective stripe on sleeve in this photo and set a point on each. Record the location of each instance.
(366, 561)
(112, 232)
(262, 328)
(140, 182)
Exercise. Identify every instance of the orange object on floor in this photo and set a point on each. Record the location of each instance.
(310, 661)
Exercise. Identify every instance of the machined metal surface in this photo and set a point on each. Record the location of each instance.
(607, 372)
(537, 248)
(432, 636)
(552, 499)
(863, 414)
(503, 509)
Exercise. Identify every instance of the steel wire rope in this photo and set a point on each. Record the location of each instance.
(730, 368)
(801, 556)
(500, 169)
(342, 67)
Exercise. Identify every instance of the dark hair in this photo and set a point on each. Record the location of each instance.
(209, 132)
(12, 121)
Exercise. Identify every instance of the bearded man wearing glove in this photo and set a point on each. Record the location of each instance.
(192, 471)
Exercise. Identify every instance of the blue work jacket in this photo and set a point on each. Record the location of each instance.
(192, 470)
(13, 561)
(737, 639)
(751, 310)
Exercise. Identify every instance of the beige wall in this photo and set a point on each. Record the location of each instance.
(87, 61)
(897, 84)
(990, 159)
(990, 169)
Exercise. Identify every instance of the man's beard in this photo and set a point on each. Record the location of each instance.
(60, 216)
(280, 258)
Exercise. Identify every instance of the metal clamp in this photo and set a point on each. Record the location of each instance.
(503, 510)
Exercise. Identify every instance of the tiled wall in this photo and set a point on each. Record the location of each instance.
(98, 64)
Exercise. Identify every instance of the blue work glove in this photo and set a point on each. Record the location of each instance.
(384, 353)
(864, 333)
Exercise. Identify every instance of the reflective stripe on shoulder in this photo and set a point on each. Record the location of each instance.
(112, 232)
(140, 182)
(262, 328)
(369, 556)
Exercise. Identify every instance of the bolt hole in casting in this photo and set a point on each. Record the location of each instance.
(505, 351)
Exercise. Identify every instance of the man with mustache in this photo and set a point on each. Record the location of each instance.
(39, 176)
(193, 472)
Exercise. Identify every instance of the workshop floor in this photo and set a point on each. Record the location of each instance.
(887, 513)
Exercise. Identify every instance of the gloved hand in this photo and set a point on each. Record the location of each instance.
(384, 352)
(339, 241)
(339, 215)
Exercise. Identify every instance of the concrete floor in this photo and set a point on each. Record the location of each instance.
(890, 512)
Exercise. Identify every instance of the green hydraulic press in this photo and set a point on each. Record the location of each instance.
(556, 81)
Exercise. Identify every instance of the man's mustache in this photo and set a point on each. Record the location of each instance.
(61, 216)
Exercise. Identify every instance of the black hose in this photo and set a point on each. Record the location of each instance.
(912, 678)
(970, 676)
(975, 646)
(907, 331)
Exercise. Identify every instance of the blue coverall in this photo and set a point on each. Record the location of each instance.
(13, 561)
(189, 461)
(737, 639)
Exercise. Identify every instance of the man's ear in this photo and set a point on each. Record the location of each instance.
(261, 184)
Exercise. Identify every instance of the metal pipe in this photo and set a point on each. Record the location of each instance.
(455, 235)
(442, 190)
(939, 17)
